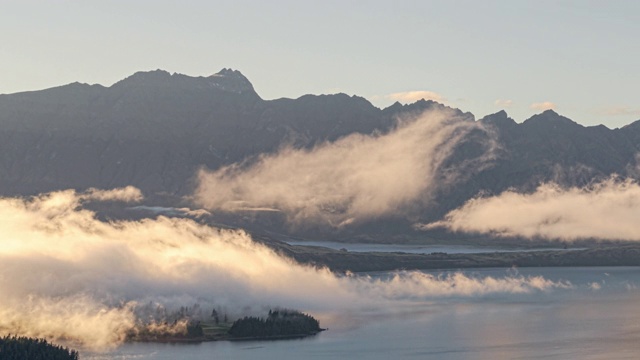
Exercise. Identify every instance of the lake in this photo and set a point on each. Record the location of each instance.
(597, 318)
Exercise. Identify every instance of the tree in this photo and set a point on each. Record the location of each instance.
(19, 348)
(279, 323)
(214, 315)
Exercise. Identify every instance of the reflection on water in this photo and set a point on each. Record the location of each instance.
(583, 322)
(416, 249)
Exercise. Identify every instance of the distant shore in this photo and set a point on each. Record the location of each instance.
(342, 261)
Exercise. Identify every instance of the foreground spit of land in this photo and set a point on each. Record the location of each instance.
(279, 324)
(19, 348)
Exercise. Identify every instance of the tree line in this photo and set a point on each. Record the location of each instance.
(22, 348)
(279, 323)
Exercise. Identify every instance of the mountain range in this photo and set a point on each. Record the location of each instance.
(155, 130)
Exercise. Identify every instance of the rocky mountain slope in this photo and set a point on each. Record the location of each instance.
(154, 130)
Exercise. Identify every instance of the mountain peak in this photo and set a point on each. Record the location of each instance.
(157, 74)
(145, 78)
(227, 80)
(549, 117)
(231, 80)
(501, 118)
(230, 72)
(499, 115)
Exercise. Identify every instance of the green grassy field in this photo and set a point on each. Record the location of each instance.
(215, 331)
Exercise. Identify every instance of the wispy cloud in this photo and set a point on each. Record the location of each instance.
(356, 178)
(125, 194)
(503, 103)
(608, 210)
(541, 106)
(619, 111)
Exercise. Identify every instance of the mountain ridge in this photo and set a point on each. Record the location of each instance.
(154, 130)
(226, 72)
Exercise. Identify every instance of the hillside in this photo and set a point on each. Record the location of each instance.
(154, 130)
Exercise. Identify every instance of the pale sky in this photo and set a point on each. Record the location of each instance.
(580, 57)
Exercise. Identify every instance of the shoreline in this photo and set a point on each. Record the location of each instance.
(201, 339)
(341, 261)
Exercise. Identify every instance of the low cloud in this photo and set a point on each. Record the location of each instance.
(125, 194)
(418, 285)
(608, 210)
(67, 276)
(541, 106)
(503, 103)
(171, 211)
(359, 177)
(413, 96)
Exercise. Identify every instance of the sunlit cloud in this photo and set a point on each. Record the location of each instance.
(67, 276)
(413, 96)
(541, 106)
(125, 194)
(170, 211)
(608, 210)
(503, 103)
(359, 177)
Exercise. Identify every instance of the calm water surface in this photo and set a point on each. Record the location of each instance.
(599, 318)
(415, 249)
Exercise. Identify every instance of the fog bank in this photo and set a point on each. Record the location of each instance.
(67, 276)
(608, 210)
(356, 178)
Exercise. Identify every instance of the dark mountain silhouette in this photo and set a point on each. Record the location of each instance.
(153, 130)
(551, 147)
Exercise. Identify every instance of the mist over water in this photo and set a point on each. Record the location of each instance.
(584, 322)
(70, 277)
(67, 276)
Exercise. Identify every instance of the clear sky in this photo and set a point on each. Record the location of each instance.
(580, 57)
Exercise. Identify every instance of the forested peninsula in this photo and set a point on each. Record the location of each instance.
(278, 324)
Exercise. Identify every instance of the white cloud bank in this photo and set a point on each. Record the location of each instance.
(66, 276)
(546, 105)
(413, 96)
(125, 194)
(359, 177)
(609, 210)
